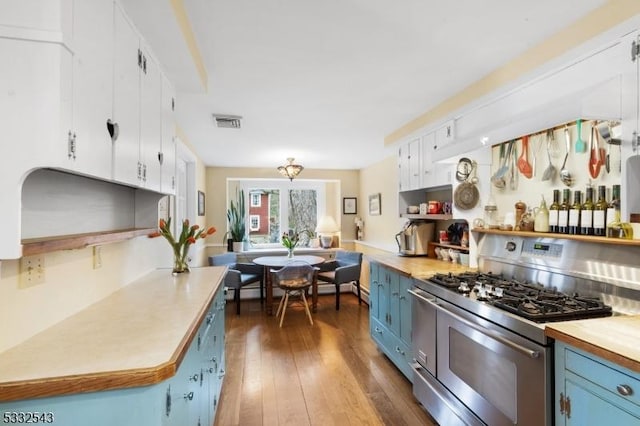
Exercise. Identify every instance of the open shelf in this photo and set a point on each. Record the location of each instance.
(583, 238)
(33, 246)
(428, 216)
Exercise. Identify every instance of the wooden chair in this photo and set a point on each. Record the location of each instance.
(239, 275)
(345, 268)
(294, 279)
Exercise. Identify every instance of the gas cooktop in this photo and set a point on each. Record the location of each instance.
(525, 299)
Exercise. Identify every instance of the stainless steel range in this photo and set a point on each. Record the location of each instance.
(478, 338)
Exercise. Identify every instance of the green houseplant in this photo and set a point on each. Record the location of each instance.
(236, 216)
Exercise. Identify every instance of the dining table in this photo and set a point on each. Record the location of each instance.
(277, 262)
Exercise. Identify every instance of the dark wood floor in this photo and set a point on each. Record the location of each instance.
(330, 373)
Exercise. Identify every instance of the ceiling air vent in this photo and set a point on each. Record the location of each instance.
(227, 121)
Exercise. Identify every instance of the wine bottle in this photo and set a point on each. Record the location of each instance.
(600, 212)
(563, 212)
(616, 228)
(613, 203)
(586, 214)
(574, 213)
(553, 211)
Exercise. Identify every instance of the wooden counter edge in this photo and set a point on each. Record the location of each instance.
(614, 357)
(96, 382)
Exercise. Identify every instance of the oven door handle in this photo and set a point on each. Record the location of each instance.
(489, 333)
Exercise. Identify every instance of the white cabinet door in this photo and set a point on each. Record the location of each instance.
(150, 122)
(126, 101)
(444, 136)
(90, 151)
(444, 174)
(428, 167)
(168, 163)
(409, 165)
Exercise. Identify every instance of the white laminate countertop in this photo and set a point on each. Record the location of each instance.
(135, 336)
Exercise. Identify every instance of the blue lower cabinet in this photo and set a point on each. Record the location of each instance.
(592, 391)
(390, 315)
(189, 398)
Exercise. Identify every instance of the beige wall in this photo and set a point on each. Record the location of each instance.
(216, 183)
(382, 177)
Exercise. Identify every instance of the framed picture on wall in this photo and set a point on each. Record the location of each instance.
(374, 205)
(349, 205)
(200, 203)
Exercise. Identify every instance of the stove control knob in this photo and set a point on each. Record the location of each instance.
(511, 246)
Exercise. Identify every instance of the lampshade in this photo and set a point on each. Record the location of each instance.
(327, 225)
(290, 170)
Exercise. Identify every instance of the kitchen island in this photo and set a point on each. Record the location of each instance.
(158, 343)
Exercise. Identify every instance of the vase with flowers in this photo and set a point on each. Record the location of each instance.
(180, 245)
(290, 240)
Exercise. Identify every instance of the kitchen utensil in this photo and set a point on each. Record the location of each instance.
(498, 177)
(594, 154)
(466, 196)
(604, 130)
(474, 180)
(580, 145)
(513, 176)
(550, 172)
(565, 175)
(553, 145)
(523, 162)
(463, 170)
(535, 153)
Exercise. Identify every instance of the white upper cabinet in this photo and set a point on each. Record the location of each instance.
(428, 167)
(126, 101)
(89, 145)
(168, 156)
(136, 108)
(409, 165)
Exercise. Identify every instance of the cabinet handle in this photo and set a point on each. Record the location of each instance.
(139, 58)
(144, 64)
(194, 378)
(188, 396)
(113, 129)
(221, 375)
(624, 390)
(395, 293)
(400, 351)
(160, 157)
(167, 402)
(209, 318)
(561, 403)
(378, 330)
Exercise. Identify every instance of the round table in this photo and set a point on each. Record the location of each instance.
(278, 262)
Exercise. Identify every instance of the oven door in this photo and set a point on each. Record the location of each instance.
(503, 378)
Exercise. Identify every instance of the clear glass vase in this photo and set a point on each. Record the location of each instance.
(290, 252)
(180, 263)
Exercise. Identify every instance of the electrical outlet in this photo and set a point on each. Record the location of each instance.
(31, 270)
(97, 257)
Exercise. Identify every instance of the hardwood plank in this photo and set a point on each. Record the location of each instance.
(330, 373)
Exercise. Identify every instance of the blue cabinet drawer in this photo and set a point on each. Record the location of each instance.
(615, 379)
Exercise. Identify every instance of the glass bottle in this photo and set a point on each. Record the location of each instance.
(616, 228)
(563, 212)
(553, 211)
(574, 213)
(615, 201)
(600, 212)
(586, 214)
(541, 221)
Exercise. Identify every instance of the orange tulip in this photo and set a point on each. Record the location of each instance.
(191, 240)
(154, 234)
(163, 224)
(211, 230)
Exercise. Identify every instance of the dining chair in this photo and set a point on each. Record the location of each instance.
(294, 279)
(345, 268)
(239, 275)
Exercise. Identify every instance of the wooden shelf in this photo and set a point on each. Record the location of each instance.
(428, 216)
(33, 246)
(583, 238)
(452, 246)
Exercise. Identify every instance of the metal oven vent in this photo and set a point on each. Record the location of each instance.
(227, 121)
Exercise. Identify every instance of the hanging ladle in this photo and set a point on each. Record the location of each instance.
(523, 162)
(565, 175)
(550, 172)
(498, 177)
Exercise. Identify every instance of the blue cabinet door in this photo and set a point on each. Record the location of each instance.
(374, 289)
(405, 310)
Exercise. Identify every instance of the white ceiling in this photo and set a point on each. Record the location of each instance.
(326, 81)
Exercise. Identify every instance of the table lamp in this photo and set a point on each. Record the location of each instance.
(325, 229)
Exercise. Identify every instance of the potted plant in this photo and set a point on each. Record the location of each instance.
(236, 216)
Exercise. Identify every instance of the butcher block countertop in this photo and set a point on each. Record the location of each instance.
(616, 339)
(419, 266)
(136, 336)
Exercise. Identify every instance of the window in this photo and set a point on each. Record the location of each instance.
(277, 207)
(256, 199)
(254, 222)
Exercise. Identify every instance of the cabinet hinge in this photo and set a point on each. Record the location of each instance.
(71, 145)
(144, 172)
(173, 182)
(635, 50)
(139, 58)
(160, 157)
(144, 64)
(139, 170)
(635, 141)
